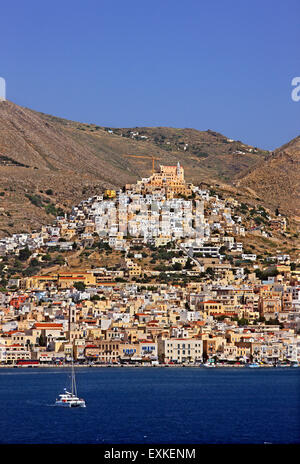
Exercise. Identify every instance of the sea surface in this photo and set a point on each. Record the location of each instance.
(152, 406)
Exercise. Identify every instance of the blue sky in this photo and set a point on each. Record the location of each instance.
(220, 65)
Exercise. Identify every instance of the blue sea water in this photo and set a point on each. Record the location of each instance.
(151, 406)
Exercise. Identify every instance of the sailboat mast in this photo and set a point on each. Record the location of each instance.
(74, 389)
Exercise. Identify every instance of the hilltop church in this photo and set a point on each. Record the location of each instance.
(169, 178)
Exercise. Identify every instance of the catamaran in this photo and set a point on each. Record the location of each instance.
(70, 399)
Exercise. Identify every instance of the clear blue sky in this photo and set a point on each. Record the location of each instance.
(224, 65)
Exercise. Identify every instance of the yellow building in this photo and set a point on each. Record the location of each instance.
(60, 279)
(110, 193)
(170, 178)
(134, 269)
(211, 307)
(39, 282)
(180, 350)
(67, 279)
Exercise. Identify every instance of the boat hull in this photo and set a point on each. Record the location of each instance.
(69, 404)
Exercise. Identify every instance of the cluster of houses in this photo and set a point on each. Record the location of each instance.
(127, 323)
(158, 209)
(229, 317)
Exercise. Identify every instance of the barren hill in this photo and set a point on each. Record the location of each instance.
(277, 179)
(47, 163)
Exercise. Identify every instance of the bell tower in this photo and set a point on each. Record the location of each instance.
(72, 317)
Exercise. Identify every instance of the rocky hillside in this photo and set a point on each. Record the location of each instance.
(276, 179)
(47, 164)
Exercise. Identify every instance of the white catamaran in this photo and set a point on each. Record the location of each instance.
(70, 399)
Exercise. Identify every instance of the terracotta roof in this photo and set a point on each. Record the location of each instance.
(15, 344)
(211, 301)
(51, 325)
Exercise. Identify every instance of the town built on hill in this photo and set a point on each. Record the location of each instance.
(158, 272)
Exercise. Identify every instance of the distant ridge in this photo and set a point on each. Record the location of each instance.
(42, 153)
(277, 179)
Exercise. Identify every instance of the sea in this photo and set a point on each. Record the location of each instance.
(152, 405)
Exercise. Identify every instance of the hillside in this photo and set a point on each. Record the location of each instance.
(48, 164)
(277, 179)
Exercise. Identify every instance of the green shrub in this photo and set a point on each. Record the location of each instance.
(36, 200)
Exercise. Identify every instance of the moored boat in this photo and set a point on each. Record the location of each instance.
(208, 364)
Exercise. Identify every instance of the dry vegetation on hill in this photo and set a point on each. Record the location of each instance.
(40, 153)
(277, 179)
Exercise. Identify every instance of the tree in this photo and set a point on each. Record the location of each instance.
(188, 264)
(24, 254)
(34, 262)
(59, 260)
(50, 209)
(80, 286)
(30, 271)
(210, 271)
(42, 340)
(177, 267)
